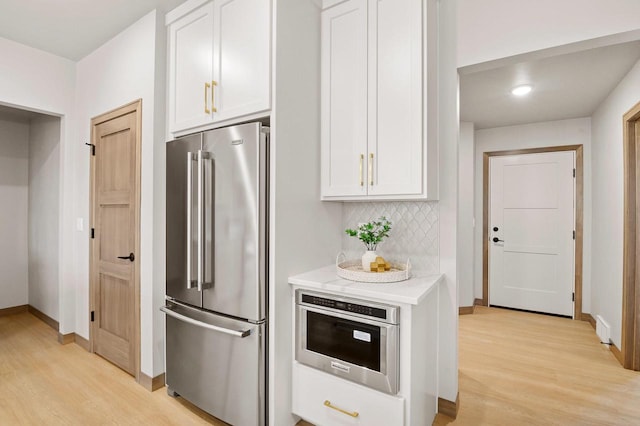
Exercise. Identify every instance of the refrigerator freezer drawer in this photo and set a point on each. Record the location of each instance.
(217, 363)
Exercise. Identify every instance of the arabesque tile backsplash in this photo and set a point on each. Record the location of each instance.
(414, 231)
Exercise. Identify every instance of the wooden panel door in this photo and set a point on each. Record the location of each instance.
(531, 225)
(190, 69)
(115, 221)
(344, 100)
(241, 57)
(395, 97)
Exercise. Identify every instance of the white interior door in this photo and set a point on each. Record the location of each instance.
(531, 232)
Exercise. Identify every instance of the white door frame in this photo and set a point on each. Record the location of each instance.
(578, 315)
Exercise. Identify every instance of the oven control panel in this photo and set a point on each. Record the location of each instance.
(346, 306)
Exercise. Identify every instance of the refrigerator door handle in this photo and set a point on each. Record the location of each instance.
(191, 283)
(200, 221)
(202, 238)
(237, 333)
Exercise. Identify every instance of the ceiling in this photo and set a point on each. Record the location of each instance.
(72, 28)
(565, 86)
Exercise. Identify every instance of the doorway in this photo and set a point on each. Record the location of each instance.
(533, 299)
(115, 237)
(631, 264)
(30, 171)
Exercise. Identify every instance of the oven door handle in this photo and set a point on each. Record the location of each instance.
(333, 313)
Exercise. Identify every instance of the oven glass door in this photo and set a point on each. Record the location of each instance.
(347, 340)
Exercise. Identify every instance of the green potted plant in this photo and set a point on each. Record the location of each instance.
(371, 234)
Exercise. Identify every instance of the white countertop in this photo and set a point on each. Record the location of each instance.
(411, 291)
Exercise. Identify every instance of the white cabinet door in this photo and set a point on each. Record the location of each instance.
(373, 91)
(344, 99)
(395, 97)
(190, 69)
(326, 400)
(241, 57)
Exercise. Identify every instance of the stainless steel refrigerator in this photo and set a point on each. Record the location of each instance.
(216, 288)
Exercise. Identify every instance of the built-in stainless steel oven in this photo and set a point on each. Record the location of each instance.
(350, 338)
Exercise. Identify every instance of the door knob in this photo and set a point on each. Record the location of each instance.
(496, 239)
(131, 257)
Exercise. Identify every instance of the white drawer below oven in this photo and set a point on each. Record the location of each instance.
(312, 388)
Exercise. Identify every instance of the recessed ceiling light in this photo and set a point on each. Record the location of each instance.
(521, 90)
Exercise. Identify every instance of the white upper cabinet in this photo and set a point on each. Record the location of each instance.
(374, 100)
(190, 69)
(344, 99)
(219, 62)
(241, 53)
(395, 97)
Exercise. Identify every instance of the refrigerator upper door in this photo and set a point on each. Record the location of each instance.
(181, 250)
(235, 208)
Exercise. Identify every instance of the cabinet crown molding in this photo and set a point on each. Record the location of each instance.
(182, 10)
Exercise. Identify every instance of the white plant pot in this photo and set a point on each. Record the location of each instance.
(368, 257)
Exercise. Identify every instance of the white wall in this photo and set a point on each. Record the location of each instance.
(554, 133)
(119, 72)
(39, 81)
(159, 195)
(34, 79)
(448, 134)
(306, 232)
(608, 201)
(14, 204)
(44, 204)
(466, 160)
(493, 29)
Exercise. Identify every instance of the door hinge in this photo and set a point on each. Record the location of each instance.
(93, 148)
(574, 235)
(93, 316)
(574, 172)
(93, 233)
(573, 297)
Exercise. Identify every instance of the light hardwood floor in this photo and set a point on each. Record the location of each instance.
(519, 368)
(45, 383)
(515, 369)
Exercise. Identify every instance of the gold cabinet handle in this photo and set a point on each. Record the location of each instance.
(361, 177)
(327, 403)
(213, 102)
(206, 98)
(371, 169)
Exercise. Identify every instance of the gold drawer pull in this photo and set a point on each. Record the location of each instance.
(327, 403)
(371, 168)
(361, 178)
(206, 98)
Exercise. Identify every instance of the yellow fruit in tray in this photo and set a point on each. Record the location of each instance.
(380, 265)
